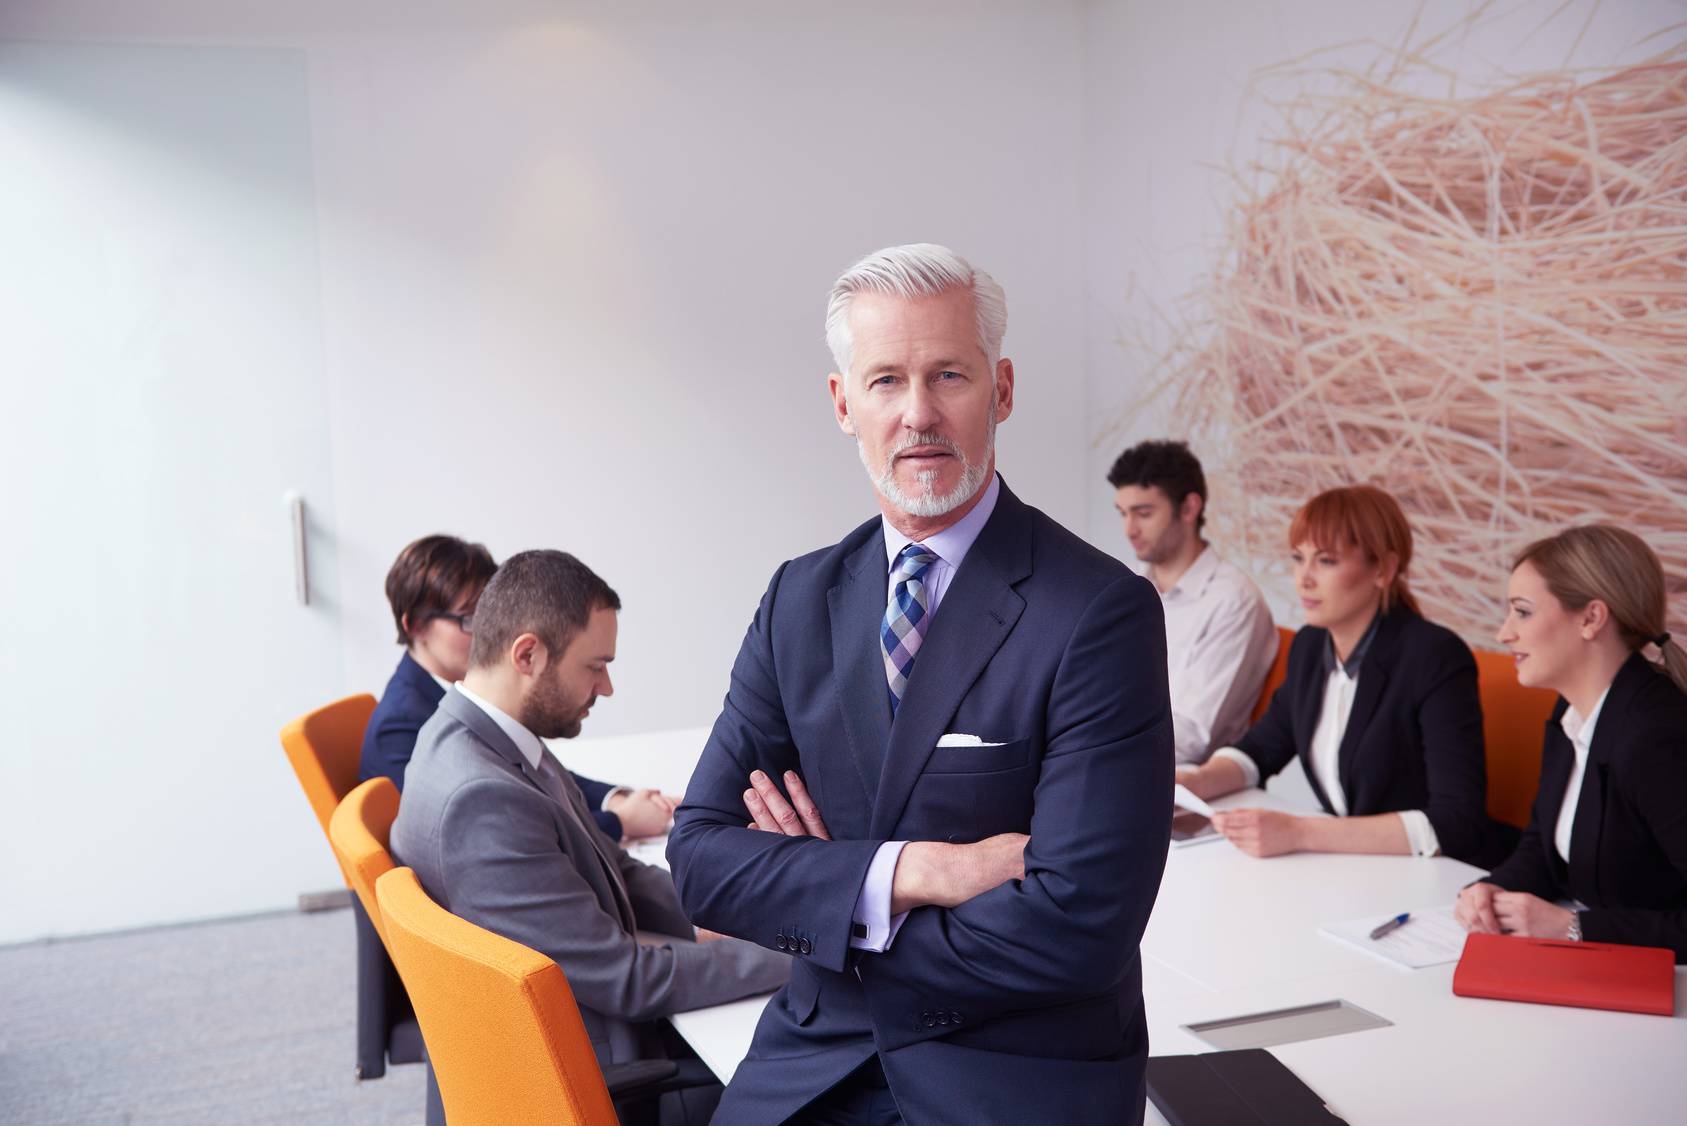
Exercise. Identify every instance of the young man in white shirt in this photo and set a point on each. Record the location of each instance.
(1220, 640)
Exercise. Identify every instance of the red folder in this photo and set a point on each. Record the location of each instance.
(1588, 975)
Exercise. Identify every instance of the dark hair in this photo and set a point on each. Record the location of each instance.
(1167, 466)
(549, 594)
(431, 576)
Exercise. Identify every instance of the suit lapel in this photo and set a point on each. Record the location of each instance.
(1309, 708)
(857, 607)
(977, 613)
(487, 730)
(1559, 761)
(1589, 825)
(1375, 668)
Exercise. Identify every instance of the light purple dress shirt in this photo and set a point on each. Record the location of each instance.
(872, 904)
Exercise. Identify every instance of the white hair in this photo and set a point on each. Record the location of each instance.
(919, 269)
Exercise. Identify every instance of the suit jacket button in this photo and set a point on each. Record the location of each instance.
(806, 946)
(954, 1018)
(779, 941)
(942, 1017)
(929, 1018)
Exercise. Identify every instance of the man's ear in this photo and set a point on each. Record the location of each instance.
(527, 654)
(1190, 511)
(404, 625)
(1004, 389)
(840, 402)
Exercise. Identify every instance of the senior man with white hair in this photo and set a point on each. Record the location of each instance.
(951, 737)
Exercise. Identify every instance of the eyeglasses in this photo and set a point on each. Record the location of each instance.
(465, 622)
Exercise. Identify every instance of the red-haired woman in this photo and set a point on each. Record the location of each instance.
(1379, 704)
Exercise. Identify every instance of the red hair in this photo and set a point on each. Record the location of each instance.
(1362, 517)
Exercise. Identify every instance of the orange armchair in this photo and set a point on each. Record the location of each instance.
(504, 1034)
(324, 746)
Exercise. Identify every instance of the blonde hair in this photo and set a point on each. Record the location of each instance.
(1613, 565)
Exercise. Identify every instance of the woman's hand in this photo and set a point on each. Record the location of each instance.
(1259, 832)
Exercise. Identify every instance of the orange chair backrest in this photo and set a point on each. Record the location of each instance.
(360, 832)
(1514, 720)
(1279, 672)
(324, 747)
(503, 1032)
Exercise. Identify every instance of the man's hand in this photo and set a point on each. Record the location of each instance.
(1475, 908)
(771, 813)
(643, 813)
(930, 873)
(1531, 916)
(1259, 832)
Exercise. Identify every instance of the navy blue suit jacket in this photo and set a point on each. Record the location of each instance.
(410, 700)
(1025, 1003)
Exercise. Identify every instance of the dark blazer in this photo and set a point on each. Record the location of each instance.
(1628, 844)
(409, 701)
(1025, 1003)
(1413, 738)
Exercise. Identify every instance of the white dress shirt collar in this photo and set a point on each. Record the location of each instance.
(1193, 582)
(1580, 730)
(1580, 733)
(952, 543)
(526, 742)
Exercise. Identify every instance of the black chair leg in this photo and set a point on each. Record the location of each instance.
(372, 1018)
(436, 1105)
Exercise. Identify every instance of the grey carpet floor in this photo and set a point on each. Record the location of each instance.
(240, 1021)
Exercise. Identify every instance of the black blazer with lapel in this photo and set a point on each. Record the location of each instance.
(1413, 738)
(1628, 844)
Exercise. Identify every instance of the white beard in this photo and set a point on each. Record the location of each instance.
(925, 502)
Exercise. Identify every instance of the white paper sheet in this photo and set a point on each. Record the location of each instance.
(1431, 937)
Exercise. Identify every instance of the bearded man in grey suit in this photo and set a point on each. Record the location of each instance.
(499, 834)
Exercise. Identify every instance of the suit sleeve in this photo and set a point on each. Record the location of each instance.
(1450, 720)
(1655, 790)
(763, 887)
(656, 906)
(502, 871)
(1271, 741)
(1100, 821)
(1528, 867)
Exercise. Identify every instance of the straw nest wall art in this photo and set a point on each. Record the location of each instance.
(1477, 302)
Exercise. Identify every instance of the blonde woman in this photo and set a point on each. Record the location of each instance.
(1609, 828)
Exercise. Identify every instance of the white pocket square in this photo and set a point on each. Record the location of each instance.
(956, 739)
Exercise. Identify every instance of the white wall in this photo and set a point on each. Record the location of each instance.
(571, 262)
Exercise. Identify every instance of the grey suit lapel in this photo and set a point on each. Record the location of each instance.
(486, 729)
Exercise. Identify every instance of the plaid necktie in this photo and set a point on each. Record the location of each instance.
(906, 618)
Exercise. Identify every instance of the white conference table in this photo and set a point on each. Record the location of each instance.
(1231, 935)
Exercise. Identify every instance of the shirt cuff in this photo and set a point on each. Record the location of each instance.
(1250, 769)
(872, 927)
(614, 792)
(1420, 834)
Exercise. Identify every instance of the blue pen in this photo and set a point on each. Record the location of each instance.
(1393, 924)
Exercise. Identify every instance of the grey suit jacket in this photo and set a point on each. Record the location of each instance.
(495, 843)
